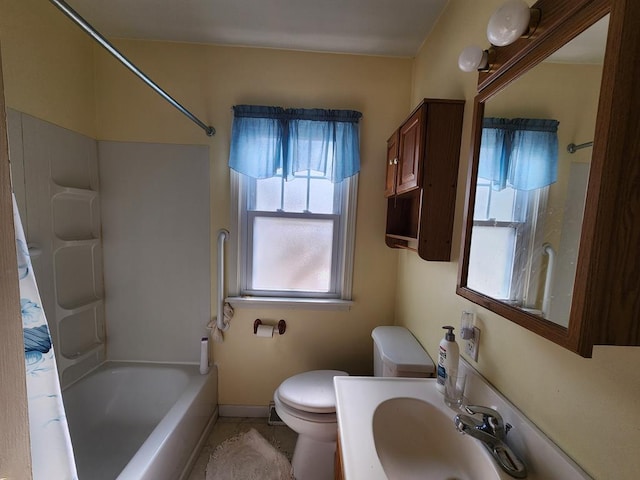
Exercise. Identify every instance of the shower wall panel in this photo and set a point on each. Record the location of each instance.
(156, 234)
(55, 180)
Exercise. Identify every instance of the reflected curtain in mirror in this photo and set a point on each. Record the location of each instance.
(521, 153)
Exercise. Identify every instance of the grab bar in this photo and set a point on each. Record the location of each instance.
(97, 36)
(222, 236)
(548, 281)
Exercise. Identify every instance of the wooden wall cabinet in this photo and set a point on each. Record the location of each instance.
(422, 173)
(392, 165)
(404, 155)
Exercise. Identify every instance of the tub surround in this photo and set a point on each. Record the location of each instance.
(358, 397)
(55, 176)
(156, 217)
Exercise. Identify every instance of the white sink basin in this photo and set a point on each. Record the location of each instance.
(401, 429)
(415, 439)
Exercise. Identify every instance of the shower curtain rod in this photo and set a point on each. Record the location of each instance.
(572, 147)
(82, 23)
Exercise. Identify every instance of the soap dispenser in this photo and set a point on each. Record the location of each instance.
(448, 357)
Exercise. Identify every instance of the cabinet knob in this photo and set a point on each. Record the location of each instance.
(395, 161)
(390, 162)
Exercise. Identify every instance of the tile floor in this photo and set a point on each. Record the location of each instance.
(280, 436)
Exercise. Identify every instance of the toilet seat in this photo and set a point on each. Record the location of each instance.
(310, 393)
(284, 409)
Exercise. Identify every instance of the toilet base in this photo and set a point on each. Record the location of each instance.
(313, 459)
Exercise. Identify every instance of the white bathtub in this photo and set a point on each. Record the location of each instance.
(139, 421)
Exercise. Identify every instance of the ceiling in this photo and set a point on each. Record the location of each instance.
(369, 27)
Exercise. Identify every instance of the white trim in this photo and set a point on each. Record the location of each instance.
(289, 302)
(234, 263)
(349, 217)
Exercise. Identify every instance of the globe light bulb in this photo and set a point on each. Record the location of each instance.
(472, 58)
(508, 23)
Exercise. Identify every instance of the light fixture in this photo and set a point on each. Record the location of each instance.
(474, 58)
(510, 21)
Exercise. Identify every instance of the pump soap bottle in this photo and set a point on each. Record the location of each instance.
(448, 357)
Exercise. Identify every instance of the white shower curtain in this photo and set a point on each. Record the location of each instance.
(51, 451)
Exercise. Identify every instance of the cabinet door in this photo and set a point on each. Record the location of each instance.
(409, 164)
(392, 165)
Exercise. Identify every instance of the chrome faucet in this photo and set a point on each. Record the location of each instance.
(491, 431)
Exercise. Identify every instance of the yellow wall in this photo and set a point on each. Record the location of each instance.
(587, 406)
(47, 65)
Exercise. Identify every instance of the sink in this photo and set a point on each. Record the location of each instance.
(401, 429)
(414, 439)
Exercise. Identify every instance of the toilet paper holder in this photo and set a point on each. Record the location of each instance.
(281, 327)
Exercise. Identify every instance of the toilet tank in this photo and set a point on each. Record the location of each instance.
(396, 353)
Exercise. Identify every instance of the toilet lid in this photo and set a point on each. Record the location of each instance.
(311, 391)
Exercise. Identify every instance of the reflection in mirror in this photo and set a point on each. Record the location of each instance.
(530, 189)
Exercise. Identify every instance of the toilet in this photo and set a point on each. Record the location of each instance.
(306, 402)
(397, 353)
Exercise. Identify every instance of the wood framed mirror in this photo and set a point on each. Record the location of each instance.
(551, 240)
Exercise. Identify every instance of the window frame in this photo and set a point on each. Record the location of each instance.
(246, 261)
(342, 263)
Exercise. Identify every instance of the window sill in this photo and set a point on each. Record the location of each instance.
(289, 302)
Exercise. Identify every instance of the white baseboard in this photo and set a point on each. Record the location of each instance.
(244, 411)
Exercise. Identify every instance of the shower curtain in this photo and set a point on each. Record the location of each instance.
(51, 451)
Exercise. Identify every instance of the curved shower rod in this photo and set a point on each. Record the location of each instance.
(97, 36)
(573, 148)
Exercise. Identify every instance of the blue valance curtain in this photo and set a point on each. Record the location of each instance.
(265, 139)
(521, 153)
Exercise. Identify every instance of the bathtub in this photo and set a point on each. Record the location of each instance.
(140, 421)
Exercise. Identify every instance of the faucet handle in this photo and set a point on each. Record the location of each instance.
(491, 418)
(473, 409)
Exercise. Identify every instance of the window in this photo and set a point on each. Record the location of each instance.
(507, 223)
(295, 202)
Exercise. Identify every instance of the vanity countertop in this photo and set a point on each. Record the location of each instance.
(357, 399)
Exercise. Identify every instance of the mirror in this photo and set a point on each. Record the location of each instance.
(601, 288)
(525, 235)
(530, 176)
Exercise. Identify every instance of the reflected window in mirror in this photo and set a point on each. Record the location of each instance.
(507, 224)
(518, 161)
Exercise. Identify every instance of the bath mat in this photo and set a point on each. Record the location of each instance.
(248, 456)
